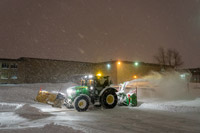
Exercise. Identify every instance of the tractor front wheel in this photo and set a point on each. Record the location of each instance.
(109, 99)
(81, 103)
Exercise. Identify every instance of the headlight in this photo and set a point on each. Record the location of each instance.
(70, 92)
(90, 76)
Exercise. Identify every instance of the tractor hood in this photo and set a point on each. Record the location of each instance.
(80, 87)
(76, 90)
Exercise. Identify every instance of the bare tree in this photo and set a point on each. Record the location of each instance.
(170, 57)
(161, 57)
(176, 57)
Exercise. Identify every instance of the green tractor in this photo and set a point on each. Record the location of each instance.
(94, 90)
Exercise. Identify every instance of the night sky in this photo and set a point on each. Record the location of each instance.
(100, 30)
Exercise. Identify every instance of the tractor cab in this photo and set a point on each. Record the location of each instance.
(95, 82)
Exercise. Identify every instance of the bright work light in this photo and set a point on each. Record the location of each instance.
(70, 91)
(108, 66)
(136, 63)
(90, 76)
(99, 74)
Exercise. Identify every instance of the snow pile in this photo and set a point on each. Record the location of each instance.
(30, 112)
(174, 106)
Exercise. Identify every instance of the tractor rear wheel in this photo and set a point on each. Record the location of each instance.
(81, 103)
(109, 99)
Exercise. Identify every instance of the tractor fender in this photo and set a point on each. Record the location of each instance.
(107, 89)
(82, 95)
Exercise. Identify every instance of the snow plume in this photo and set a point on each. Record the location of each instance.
(168, 85)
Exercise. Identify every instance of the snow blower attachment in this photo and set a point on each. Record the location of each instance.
(127, 95)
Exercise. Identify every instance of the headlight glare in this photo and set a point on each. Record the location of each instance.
(70, 91)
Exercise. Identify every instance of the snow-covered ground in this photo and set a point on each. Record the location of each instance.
(20, 113)
(191, 105)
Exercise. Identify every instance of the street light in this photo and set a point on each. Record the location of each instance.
(108, 66)
(136, 63)
(135, 77)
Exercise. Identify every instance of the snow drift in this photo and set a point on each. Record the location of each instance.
(173, 106)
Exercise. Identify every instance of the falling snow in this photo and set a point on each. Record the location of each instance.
(143, 25)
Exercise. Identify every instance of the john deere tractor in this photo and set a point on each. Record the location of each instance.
(93, 90)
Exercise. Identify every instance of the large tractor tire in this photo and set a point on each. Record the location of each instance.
(109, 99)
(81, 103)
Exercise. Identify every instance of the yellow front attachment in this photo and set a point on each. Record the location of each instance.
(45, 97)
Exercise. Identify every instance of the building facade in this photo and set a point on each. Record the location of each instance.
(195, 75)
(33, 70)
